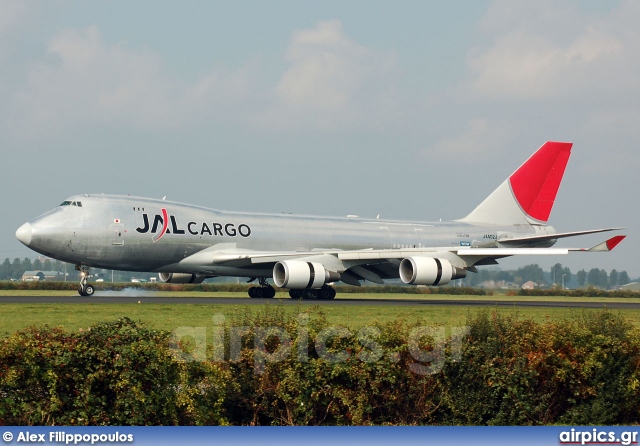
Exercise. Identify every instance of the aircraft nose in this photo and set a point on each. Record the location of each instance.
(24, 233)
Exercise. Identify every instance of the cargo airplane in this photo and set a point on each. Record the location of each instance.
(304, 254)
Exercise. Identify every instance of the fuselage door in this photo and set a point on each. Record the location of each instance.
(386, 236)
(117, 232)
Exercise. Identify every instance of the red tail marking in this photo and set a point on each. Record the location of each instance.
(165, 223)
(614, 241)
(535, 184)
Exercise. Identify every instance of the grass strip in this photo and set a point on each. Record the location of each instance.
(14, 317)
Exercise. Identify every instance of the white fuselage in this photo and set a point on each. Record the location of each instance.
(129, 233)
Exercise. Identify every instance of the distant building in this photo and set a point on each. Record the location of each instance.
(35, 276)
(500, 284)
(530, 285)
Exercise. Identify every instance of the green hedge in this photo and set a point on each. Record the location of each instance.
(584, 371)
(117, 373)
(230, 287)
(508, 371)
(580, 292)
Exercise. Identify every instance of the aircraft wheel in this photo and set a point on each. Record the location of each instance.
(327, 293)
(84, 289)
(311, 294)
(258, 292)
(295, 294)
(270, 293)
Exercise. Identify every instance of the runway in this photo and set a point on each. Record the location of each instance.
(124, 300)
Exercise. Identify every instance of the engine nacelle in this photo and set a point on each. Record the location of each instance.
(429, 271)
(181, 278)
(298, 274)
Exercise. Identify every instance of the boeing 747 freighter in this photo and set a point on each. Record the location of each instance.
(187, 244)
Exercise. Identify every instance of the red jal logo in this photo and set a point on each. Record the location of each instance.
(214, 230)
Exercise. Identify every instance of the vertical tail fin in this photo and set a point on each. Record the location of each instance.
(527, 196)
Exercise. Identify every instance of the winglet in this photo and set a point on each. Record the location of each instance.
(608, 245)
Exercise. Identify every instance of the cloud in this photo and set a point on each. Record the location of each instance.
(12, 15)
(328, 81)
(554, 50)
(543, 71)
(87, 81)
(11, 12)
(332, 82)
(479, 138)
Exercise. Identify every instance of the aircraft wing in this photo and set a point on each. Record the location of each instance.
(256, 257)
(373, 265)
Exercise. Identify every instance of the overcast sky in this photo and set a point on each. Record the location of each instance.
(412, 110)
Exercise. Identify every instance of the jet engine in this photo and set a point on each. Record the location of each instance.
(298, 274)
(181, 278)
(429, 271)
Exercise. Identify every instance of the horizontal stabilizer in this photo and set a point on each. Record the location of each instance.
(547, 237)
(506, 252)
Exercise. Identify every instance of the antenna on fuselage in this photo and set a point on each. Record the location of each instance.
(164, 198)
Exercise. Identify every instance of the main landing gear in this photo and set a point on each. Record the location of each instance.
(85, 289)
(324, 293)
(265, 290)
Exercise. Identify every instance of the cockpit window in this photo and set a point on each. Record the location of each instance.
(65, 203)
(71, 203)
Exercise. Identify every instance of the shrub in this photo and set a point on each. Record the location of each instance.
(117, 373)
(517, 372)
(319, 390)
(107, 374)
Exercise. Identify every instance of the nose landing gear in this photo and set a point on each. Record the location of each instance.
(84, 289)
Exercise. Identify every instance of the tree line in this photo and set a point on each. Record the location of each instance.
(558, 276)
(13, 270)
